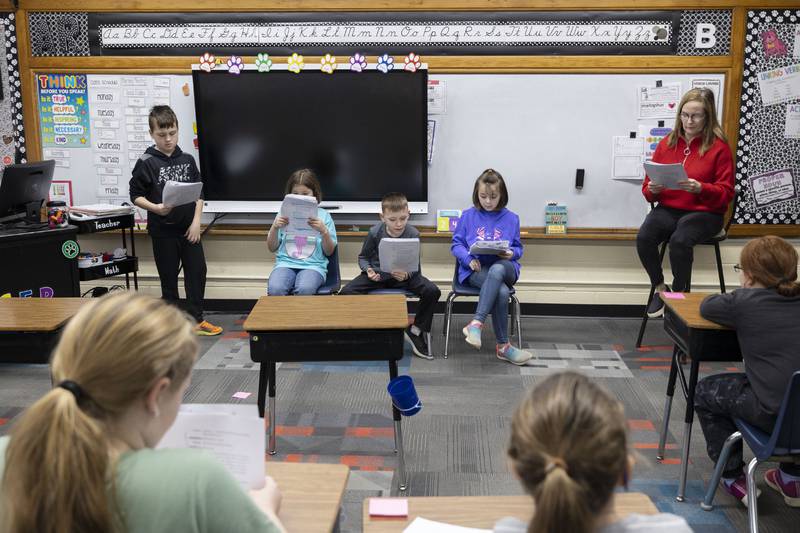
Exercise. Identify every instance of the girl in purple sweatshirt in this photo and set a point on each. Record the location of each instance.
(494, 275)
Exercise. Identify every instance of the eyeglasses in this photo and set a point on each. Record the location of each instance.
(694, 117)
(737, 268)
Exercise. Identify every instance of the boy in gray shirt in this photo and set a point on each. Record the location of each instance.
(394, 224)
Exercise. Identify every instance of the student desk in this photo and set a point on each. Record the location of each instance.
(483, 511)
(701, 340)
(29, 327)
(312, 494)
(326, 328)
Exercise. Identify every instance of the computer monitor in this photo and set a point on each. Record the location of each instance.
(23, 190)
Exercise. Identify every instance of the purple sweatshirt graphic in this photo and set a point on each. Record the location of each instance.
(479, 225)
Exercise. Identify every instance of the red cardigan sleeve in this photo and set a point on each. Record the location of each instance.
(717, 194)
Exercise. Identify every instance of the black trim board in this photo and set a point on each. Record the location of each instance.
(466, 307)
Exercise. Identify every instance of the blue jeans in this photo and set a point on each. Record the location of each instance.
(495, 283)
(284, 281)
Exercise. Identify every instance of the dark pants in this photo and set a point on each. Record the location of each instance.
(720, 398)
(683, 230)
(169, 253)
(421, 286)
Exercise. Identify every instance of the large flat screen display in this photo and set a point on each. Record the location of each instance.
(363, 133)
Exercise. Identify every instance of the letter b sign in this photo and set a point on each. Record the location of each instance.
(705, 36)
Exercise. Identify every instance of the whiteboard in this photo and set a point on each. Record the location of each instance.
(535, 129)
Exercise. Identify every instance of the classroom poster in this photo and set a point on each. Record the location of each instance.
(780, 84)
(437, 97)
(792, 129)
(712, 84)
(651, 135)
(63, 110)
(773, 187)
(796, 51)
(658, 101)
(431, 138)
(626, 158)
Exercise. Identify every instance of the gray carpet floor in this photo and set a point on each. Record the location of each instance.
(339, 413)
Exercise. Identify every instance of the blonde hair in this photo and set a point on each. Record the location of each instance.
(569, 448)
(772, 262)
(58, 464)
(711, 128)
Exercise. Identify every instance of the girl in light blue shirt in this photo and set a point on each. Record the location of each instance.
(301, 262)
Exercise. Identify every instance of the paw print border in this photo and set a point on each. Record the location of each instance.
(12, 85)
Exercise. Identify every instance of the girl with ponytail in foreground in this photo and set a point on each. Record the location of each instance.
(81, 459)
(765, 313)
(569, 449)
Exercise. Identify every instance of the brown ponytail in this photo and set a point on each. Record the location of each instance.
(772, 262)
(569, 448)
(59, 469)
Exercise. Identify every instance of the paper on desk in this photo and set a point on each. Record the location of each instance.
(664, 174)
(488, 247)
(673, 295)
(423, 525)
(298, 208)
(180, 193)
(398, 254)
(233, 433)
(388, 506)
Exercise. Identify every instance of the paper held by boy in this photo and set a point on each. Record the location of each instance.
(180, 193)
(399, 255)
(233, 433)
(488, 247)
(298, 208)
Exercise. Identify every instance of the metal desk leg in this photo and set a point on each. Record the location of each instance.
(271, 379)
(673, 374)
(398, 437)
(687, 428)
(262, 387)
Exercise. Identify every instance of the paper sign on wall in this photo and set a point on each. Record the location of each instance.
(792, 129)
(659, 101)
(773, 187)
(780, 84)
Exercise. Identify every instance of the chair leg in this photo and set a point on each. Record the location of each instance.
(517, 318)
(719, 268)
(448, 315)
(429, 338)
(708, 502)
(444, 322)
(645, 317)
(639, 338)
(752, 495)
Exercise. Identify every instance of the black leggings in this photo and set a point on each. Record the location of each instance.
(683, 229)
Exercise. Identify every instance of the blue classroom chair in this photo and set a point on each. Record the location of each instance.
(459, 290)
(782, 445)
(333, 279)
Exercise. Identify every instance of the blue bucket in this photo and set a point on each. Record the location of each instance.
(404, 395)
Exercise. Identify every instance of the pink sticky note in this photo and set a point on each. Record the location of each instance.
(241, 395)
(388, 507)
(673, 295)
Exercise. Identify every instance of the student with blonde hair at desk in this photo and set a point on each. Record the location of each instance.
(81, 458)
(765, 313)
(569, 448)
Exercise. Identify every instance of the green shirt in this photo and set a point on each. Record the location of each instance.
(179, 491)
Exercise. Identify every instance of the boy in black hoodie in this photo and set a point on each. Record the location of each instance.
(174, 230)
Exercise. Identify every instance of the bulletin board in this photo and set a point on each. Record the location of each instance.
(768, 151)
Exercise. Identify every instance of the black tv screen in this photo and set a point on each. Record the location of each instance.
(364, 134)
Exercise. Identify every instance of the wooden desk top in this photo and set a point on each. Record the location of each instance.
(312, 494)
(302, 313)
(688, 310)
(37, 314)
(483, 511)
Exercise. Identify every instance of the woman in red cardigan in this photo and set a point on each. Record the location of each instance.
(694, 213)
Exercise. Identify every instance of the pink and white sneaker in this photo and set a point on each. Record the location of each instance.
(789, 489)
